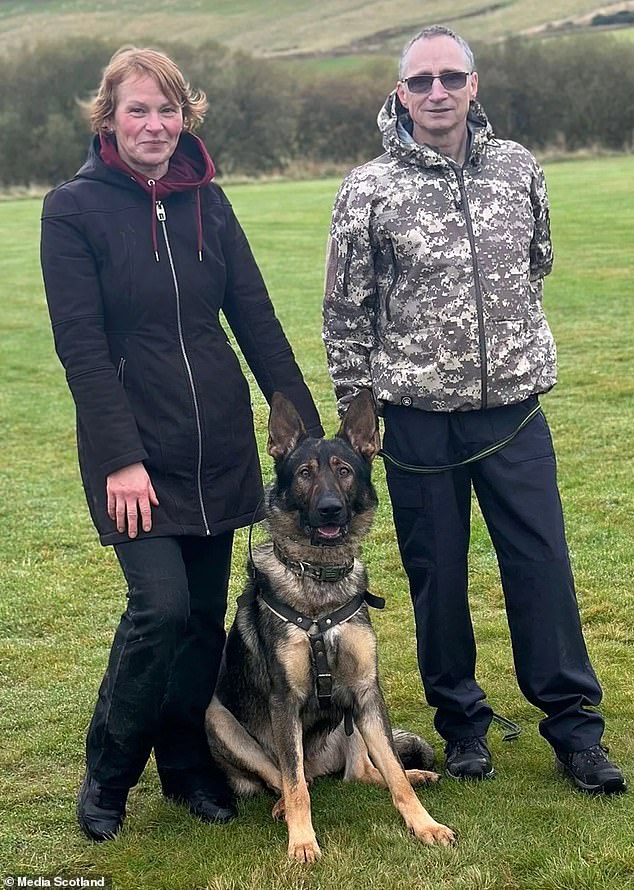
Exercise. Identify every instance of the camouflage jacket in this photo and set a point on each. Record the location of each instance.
(434, 274)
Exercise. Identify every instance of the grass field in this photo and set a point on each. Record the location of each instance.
(278, 27)
(62, 595)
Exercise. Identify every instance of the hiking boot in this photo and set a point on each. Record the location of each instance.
(591, 770)
(468, 758)
(100, 809)
(206, 797)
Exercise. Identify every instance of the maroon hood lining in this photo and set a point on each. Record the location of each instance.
(190, 168)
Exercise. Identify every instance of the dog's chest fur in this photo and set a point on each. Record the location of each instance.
(350, 646)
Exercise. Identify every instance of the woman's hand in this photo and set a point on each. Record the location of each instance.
(131, 492)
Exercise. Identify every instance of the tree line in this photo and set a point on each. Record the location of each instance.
(266, 117)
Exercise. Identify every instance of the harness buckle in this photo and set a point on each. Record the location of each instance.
(324, 688)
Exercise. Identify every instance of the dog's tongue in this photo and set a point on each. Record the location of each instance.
(329, 531)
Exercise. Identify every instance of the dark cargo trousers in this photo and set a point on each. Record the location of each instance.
(518, 496)
(164, 660)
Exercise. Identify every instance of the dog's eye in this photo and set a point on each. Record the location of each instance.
(344, 471)
(304, 473)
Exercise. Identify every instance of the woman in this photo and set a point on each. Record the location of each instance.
(140, 252)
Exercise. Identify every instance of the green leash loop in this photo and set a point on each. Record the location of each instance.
(486, 452)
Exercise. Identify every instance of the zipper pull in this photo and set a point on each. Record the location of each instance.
(160, 212)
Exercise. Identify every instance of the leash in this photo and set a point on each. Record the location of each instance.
(514, 729)
(485, 452)
(251, 564)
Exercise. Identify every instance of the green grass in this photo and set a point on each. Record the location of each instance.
(62, 595)
(278, 27)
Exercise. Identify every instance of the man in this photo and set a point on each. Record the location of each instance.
(436, 260)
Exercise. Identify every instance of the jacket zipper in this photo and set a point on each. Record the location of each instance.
(162, 217)
(484, 372)
(121, 370)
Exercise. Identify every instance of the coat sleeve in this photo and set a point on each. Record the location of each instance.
(350, 301)
(251, 316)
(73, 294)
(541, 249)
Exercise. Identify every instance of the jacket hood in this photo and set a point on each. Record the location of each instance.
(190, 166)
(190, 169)
(394, 113)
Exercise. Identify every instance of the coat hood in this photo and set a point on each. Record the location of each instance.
(190, 168)
(393, 114)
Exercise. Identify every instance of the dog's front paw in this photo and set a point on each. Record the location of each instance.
(434, 833)
(421, 776)
(304, 850)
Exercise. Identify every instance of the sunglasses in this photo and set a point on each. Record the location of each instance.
(423, 83)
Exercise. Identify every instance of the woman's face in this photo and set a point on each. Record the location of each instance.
(147, 125)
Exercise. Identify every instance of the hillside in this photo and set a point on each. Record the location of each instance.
(285, 28)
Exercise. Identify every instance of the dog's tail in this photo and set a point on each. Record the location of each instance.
(414, 752)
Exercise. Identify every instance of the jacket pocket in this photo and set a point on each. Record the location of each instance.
(346, 268)
(395, 277)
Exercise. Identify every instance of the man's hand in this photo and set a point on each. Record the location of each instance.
(131, 492)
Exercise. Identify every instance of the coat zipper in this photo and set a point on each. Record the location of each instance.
(162, 217)
(484, 372)
(121, 370)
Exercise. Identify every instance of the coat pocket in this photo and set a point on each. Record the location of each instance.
(121, 371)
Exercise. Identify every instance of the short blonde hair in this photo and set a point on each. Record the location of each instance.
(130, 61)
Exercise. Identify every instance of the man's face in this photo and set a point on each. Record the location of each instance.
(440, 113)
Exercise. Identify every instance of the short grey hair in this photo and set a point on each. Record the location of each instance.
(437, 31)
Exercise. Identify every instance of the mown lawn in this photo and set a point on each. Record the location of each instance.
(61, 595)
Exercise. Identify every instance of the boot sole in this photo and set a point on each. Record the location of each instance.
(471, 777)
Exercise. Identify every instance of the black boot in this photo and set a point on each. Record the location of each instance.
(591, 771)
(468, 759)
(100, 809)
(204, 793)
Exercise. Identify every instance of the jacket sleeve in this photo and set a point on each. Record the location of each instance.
(541, 249)
(251, 316)
(350, 301)
(75, 306)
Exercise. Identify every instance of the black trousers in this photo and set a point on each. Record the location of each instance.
(517, 492)
(164, 660)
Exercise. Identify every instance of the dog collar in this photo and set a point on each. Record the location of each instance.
(328, 573)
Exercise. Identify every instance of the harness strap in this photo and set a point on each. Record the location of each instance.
(485, 452)
(315, 630)
(312, 626)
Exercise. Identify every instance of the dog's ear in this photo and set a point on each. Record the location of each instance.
(285, 427)
(359, 426)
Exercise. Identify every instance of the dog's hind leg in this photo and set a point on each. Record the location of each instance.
(231, 743)
(374, 726)
(359, 767)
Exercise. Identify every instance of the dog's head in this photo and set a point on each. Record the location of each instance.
(323, 493)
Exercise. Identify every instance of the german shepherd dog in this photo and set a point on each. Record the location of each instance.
(298, 694)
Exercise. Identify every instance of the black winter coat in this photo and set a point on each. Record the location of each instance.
(148, 363)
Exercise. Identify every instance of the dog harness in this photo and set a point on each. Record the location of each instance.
(315, 628)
